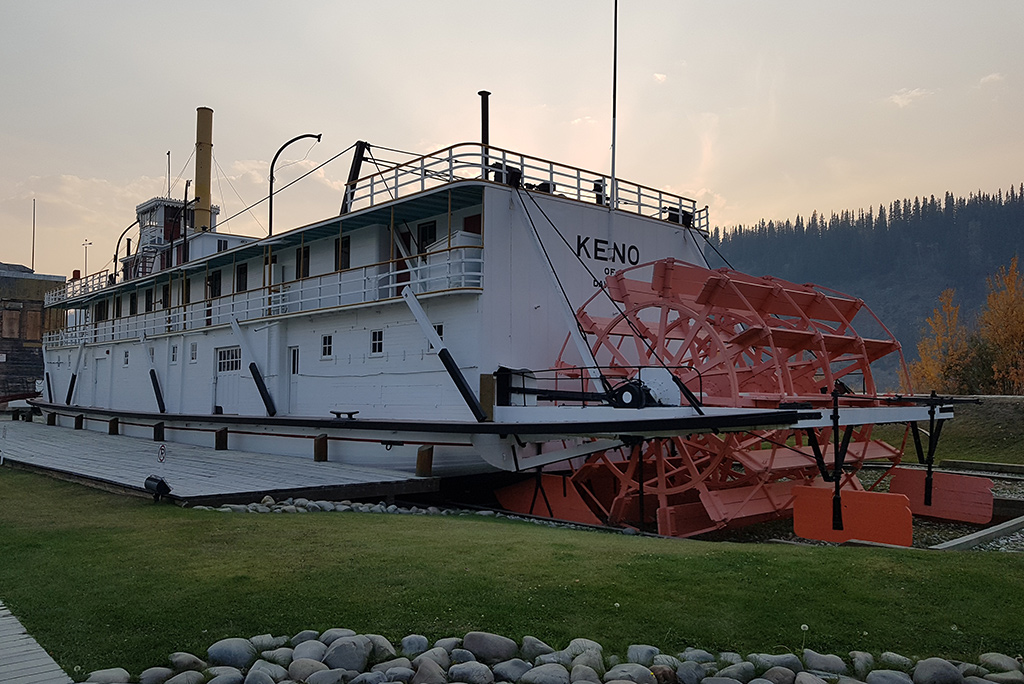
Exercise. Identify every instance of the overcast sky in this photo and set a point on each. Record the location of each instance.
(758, 109)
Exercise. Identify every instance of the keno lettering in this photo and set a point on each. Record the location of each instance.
(604, 250)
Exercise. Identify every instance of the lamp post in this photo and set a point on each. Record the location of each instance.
(86, 244)
(270, 223)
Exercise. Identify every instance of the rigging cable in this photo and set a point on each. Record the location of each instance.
(690, 397)
(312, 170)
(233, 189)
(184, 166)
(712, 245)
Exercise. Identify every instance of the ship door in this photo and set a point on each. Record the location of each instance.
(100, 381)
(229, 372)
(293, 380)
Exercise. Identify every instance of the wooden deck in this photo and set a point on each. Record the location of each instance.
(197, 475)
(22, 660)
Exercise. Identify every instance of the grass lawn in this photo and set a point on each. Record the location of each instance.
(102, 581)
(991, 431)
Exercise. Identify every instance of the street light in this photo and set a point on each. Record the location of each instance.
(270, 226)
(86, 244)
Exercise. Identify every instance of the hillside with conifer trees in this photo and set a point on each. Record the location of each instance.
(898, 257)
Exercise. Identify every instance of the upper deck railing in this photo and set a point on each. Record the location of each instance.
(458, 268)
(473, 161)
(79, 286)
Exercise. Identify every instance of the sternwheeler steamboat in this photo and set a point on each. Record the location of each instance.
(477, 309)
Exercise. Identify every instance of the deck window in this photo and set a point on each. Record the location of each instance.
(229, 359)
(426, 235)
(133, 303)
(222, 245)
(342, 253)
(149, 300)
(376, 342)
(302, 262)
(117, 306)
(193, 352)
(241, 277)
(326, 346)
(295, 360)
(174, 353)
(125, 362)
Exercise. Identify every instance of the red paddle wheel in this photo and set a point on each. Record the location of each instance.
(735, 341)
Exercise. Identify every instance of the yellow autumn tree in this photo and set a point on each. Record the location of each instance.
(943, 349)
(1002, 328)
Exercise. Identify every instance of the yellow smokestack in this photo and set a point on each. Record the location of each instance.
(204, 155)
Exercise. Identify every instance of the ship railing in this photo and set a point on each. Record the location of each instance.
(444, 270)
(473, 161)
(79, 286)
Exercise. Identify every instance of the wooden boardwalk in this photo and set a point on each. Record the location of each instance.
(195, 474)
(22, 660)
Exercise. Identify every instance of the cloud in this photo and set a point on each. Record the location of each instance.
(904, 97)
(991, 78)
(583, 120)
(660, 78)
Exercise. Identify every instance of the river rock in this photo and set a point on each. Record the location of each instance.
(429, 672)
(894, 661)
(382, 648)
(490, 648)
(181, 661)
(394, 662)
(808, 678)
(272, 669)
(313, 649)
(971, 670)
(826, 662)
(304, 635)
(258, 677)
(778, 674)
(584, 673)
(730, 657)
(759, 680)
(414, 644)
(591, 659)
(533, 647)
(998, 662)
(348, 653)
(511, 670)
(667, 660)
(863, 662)
(155, 675)
(743, 672)
(448, 643)
(233, 651)
(690, 672)
(473, 672)
(218, 670)
(696, 655)
(267, 642)
(642, 654)
(400, 674)
(663, 674)
(461, 655)
(936, 671)
(111, 675)
(438, 654)
(551, 673)
(333, 634)
(228, 678)
(888, 677)
(1011, 677)
(632, 672)
(766, 661)
(282, 656)
(370, 678)
(975, 680)
(301, 668)
(335, 676)
(577, 646)
(186, 677)
(720, 680)
(563, 658)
